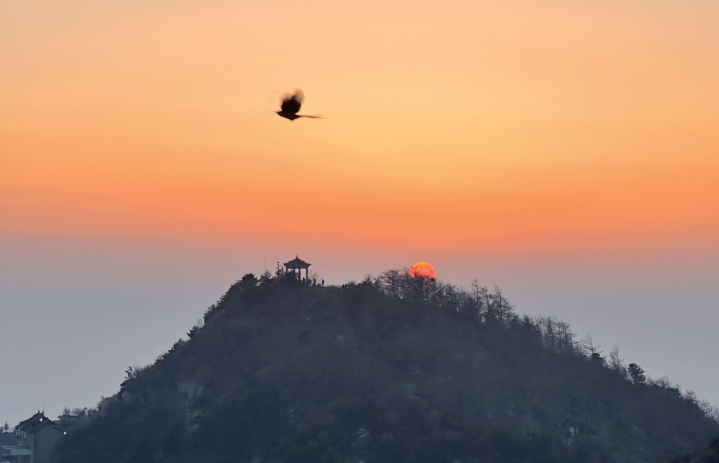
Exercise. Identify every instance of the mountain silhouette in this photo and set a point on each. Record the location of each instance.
(391, 369)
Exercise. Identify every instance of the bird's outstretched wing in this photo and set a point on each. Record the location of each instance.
(292, 102)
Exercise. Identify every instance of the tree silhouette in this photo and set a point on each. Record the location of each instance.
(636, 373)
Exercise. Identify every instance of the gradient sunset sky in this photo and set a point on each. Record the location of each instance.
(566, 150)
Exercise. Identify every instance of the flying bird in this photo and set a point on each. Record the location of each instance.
(291, 104)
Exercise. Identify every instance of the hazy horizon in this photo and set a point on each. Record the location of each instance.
(134, 305)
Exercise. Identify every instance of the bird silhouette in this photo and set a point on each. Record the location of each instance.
(291, 104)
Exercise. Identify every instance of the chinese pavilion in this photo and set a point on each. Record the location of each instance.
(296, 265)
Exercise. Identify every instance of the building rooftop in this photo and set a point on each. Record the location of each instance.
(36, 421)
(296, 263)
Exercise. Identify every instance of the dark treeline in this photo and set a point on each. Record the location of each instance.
(390, 369)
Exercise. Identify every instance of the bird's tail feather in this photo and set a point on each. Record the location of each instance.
(315, 116)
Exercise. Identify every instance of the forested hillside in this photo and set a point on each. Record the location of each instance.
(708, 455)
(392, 369)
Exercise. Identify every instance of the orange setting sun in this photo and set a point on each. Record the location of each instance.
(423, 270)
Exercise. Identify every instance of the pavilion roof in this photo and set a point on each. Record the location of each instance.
(296, 263)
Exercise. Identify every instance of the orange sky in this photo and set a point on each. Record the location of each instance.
(450, 125)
